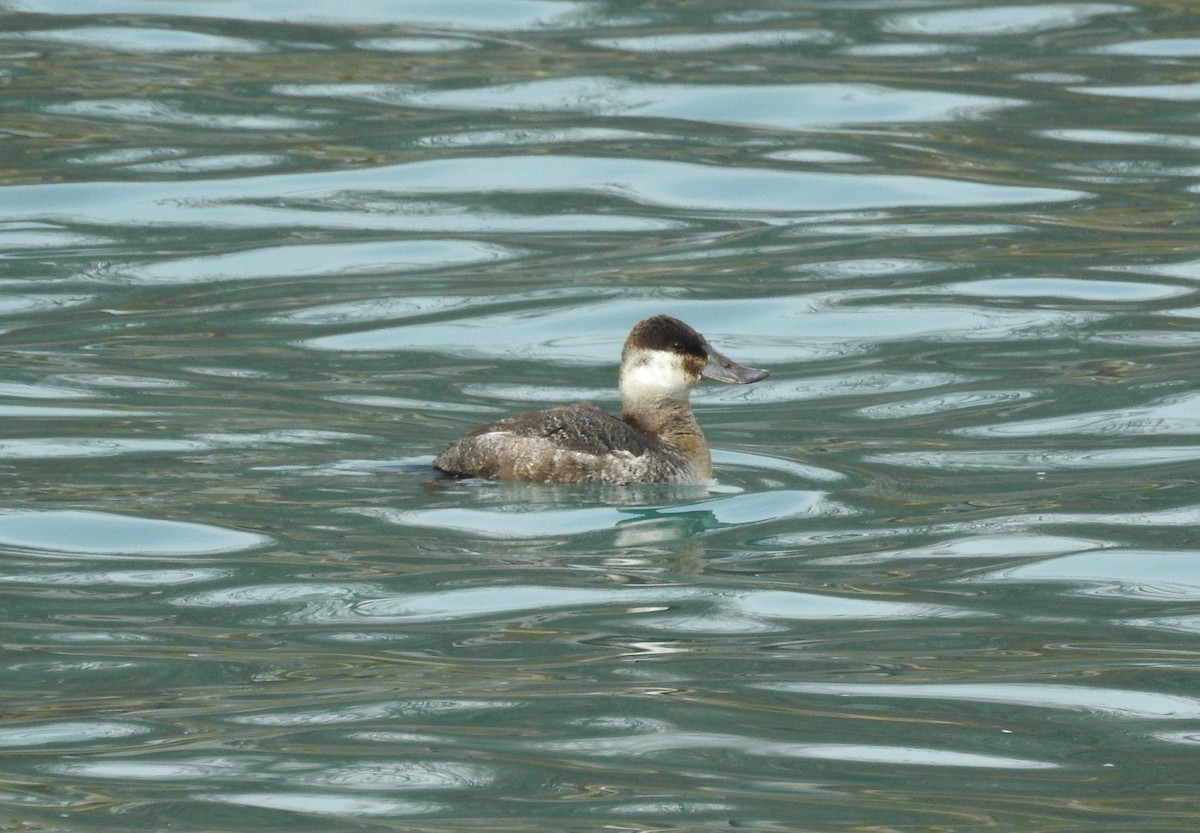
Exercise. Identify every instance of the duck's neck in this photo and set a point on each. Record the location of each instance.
(672, 422)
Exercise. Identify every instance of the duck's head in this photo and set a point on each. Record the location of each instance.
(664, 358)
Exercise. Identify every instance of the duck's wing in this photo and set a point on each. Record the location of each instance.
(572, 443)
(582, 427)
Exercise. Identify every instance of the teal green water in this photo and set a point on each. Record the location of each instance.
(259, 262)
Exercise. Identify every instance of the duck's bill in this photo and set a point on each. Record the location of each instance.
(724, 369)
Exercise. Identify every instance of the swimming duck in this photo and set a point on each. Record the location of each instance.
(655, 440)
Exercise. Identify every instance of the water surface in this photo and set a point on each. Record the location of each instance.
(258, 265)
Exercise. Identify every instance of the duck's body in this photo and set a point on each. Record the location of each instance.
(575, 444)
(656, 439)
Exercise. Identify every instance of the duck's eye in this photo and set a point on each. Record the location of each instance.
(677, 346)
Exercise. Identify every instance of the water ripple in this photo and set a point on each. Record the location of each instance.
(325, 804)
(1169, 415)
(1105, 702)
(531, 520)
(1002, 20)
(1126, 573)
(301, 261)
(136, 40)
(493, 15)
(1038, 460)
(103, 534)
(748, 38)
(72, 732)
(369, 712)
(787, 107)
(675, 740)
(687, 186)
(120, 578)
(173, 114)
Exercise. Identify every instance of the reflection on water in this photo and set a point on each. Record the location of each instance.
(96, 533)
(789, 107)
(258, 265)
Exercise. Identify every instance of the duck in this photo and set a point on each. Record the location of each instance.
(655, 440)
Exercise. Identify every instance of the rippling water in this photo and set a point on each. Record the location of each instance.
(259, 262)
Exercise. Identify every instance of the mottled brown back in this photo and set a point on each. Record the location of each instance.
(573, 443)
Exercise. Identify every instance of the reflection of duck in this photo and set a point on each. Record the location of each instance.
(656, 439)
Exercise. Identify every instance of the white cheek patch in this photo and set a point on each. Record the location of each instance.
(659, 373)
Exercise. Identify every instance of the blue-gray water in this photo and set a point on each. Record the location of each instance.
(260, 261)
